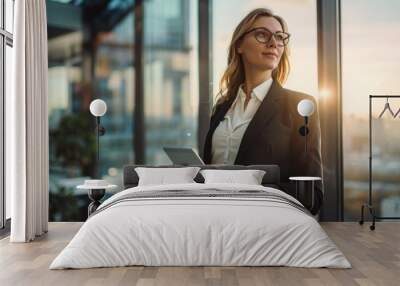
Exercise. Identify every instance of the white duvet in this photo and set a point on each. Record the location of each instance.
(200, 231)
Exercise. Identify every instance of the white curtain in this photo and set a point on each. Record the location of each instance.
(27, 124)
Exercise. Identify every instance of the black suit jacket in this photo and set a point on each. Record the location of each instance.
(272, 137)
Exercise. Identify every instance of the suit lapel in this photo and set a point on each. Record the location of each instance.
(265, 113)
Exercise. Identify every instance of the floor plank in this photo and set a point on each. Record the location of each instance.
(374, 255)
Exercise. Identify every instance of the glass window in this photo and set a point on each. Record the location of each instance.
(9, 14)
(370, 66)
(99, 63)
(114, 83)
(8, 86)
(301, 19)
(69, 162)
(2, 133)
(85, 64)
(170, 76)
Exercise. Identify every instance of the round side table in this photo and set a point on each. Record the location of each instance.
(305, 185)
(95, 194)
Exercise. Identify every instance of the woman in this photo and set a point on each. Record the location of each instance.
(255, 119)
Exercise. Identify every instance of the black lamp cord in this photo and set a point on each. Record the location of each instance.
(98, 145)
(306, 132)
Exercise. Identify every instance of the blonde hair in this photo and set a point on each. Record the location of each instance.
(234, 74)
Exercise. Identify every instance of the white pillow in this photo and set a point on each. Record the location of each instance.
(249, 177)
(162, 176)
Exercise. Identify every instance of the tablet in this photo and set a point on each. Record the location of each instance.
(183, 156)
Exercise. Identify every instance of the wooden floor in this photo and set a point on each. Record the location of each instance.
(374, 255)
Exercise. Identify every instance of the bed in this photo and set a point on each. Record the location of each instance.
(201, 224)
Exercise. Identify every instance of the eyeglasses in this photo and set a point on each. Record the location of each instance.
(263, 36)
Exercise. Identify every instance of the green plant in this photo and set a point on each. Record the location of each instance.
(75, 142)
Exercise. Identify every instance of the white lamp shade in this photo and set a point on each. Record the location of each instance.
(305, 107)
(98, 107)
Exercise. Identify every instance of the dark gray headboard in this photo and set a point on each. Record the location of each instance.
(270, 179)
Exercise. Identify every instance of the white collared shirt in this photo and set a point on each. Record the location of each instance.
(229, 133)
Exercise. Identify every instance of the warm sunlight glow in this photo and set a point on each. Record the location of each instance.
(325, 92)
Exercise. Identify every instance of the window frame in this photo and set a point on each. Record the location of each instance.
(330, 107)
(6, 39)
